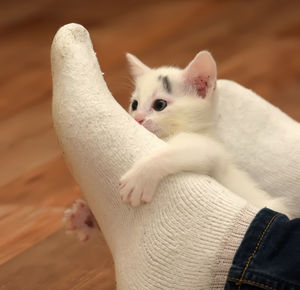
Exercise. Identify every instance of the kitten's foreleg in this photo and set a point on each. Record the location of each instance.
(204, 155)
(194, 153)
(185, 152)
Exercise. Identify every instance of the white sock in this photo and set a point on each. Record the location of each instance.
(264, 141)
(187, 236)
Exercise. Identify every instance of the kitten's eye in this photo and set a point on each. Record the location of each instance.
(159, 105)
(134, 105)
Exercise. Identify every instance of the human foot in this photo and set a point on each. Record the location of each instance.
(187, 236)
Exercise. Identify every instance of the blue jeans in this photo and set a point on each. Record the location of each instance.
(269, 255)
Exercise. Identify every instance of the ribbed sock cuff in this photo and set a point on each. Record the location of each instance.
(230, 245)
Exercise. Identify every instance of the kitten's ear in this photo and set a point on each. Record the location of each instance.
(201, 73)
(137, 68)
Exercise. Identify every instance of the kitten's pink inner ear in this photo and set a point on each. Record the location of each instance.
(137, 68)
(201, 73)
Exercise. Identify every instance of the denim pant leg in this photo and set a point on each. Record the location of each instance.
(269, 255)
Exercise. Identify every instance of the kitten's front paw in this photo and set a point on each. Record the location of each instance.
(138, 185)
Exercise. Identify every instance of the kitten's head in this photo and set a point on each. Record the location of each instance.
(169, 100)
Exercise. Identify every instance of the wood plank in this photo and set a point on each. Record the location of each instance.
(24, 226)
(61, 262)
(31, 207)
(27, 141)
(50, 185)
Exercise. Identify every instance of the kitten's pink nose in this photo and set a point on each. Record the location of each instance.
(139, 120)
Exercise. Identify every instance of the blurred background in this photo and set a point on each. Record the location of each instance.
(255, 43)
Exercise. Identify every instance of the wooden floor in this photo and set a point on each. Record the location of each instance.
(255, 43)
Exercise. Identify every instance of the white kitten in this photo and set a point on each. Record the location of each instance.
(178, 105)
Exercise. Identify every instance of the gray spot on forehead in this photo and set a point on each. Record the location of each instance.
(166, 83)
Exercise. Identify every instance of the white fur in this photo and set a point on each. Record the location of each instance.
(188, 126)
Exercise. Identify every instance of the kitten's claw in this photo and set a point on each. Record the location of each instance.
(138, 185)
(80, 220)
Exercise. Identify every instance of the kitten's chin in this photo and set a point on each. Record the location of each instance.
(152, 127)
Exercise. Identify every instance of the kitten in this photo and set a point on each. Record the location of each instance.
(178, 106)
